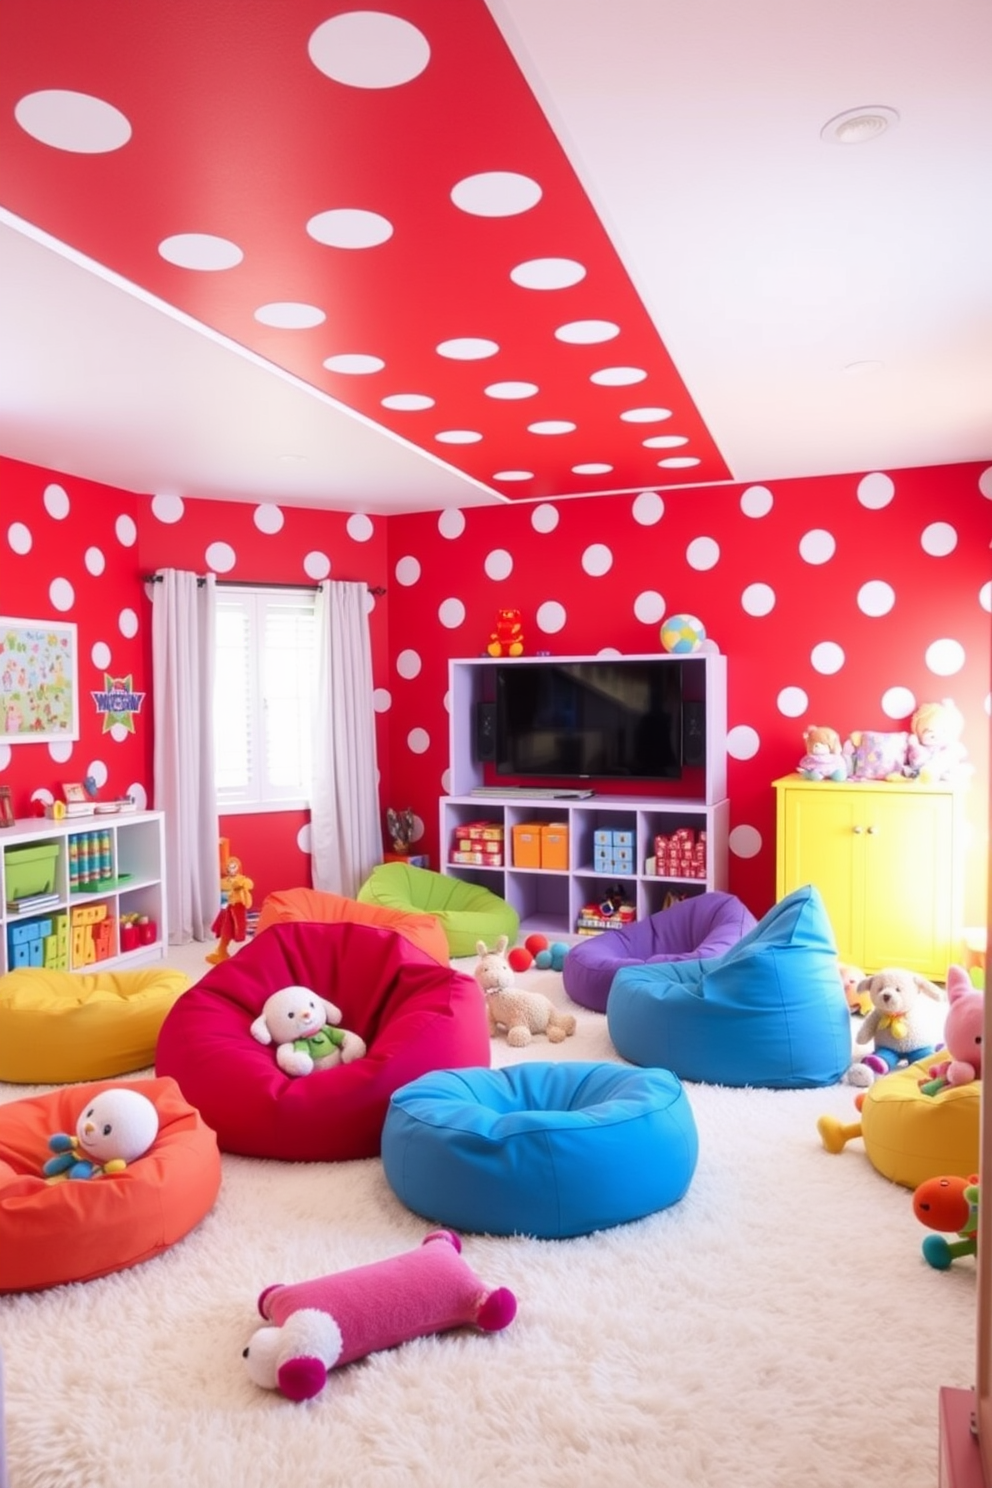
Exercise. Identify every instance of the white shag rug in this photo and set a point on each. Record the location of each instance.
(779, 1326)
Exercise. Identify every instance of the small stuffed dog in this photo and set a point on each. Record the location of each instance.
(303, 1028)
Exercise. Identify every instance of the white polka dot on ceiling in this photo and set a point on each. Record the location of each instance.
(354, 363)
(496, 194)
(77, 122)
(369, 49)
(290, 315)
(551, 426)
(407, 402)
(467, 348)
(510, 390)
(548, 273)
(587, 332)
(349, 227)
(203, 252)
(617, 376)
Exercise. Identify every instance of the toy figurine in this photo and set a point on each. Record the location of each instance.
(232, 920)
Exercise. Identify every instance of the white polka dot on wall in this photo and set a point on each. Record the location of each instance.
(827, 658)
(220, 557)
(544, 518)
(792, 702)
(446, 782)
(985, 483)
(985, 596)
(56, 502)
(876, 490)
(944, 657)
(100, 654)
(303, 839)
(744, 841)
(408, 664)
(648, 509)
(127, 623)
(316, 566)
(876, 598)
(407, 571)
(758, 600)
(498, 564)
(418, 741)
(60, 750)
(95, 561)
(61, 594)
(168, 508)
(139, 795)
(451, 524)
(382, 699)
(898, 702)
(359, 527)
(702, 553)
(609, 653)
(939, 539)
(597, 560)
(19, 538)
(268, 518)
(5, 755)
(756, 501)
(451, 613)
(742, 742)
(817, 546)
(551, 617)
(44, 795)
(119, 733)
(125, 531)
(98, 770)
(649, 607)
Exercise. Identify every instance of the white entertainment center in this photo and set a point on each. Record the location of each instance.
(551, 900)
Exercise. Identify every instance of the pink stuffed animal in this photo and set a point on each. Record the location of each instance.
(316, 1326)
(962, 1034)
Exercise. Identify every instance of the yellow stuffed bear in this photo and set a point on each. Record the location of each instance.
(508, 637)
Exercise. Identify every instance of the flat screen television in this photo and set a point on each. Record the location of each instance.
(585, 720)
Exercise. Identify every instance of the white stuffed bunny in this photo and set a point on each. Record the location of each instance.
(301, 1025)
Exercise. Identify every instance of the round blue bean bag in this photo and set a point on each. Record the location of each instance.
(704, 925)
(545, 1149)
(771, 1011)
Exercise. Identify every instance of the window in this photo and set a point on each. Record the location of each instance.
(264, 696)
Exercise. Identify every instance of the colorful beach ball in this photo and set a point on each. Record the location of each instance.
(681, 633)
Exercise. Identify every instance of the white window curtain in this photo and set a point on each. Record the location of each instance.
(345, 831)
(183, 623)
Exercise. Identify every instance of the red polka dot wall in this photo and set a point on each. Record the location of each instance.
(842, 600)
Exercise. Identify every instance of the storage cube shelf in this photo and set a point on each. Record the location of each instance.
(79, 923)
(560, 855)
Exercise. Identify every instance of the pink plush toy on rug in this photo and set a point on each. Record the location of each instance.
(962, 1035)
(316, 1326)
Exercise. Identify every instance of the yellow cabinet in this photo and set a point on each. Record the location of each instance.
(887, 859)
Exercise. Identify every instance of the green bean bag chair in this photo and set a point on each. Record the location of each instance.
(466, 912)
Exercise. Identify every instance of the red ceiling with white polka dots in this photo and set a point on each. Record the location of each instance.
(338, 191)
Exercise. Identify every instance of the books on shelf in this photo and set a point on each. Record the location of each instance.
(31, 903)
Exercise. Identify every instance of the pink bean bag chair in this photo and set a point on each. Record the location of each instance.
(414, 1015)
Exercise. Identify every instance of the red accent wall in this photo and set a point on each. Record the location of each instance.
(836, 600)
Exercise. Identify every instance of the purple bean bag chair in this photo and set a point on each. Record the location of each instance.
(704, 925)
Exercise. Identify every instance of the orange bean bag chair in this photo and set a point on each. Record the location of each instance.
(321, 908)
(57, 1027)
(80, 1229)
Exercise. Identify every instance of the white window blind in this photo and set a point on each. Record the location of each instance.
(264, 694)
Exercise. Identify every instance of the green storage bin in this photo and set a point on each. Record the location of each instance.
(30, 870)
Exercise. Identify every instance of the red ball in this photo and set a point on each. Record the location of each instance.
(519, 959)
(535, 943)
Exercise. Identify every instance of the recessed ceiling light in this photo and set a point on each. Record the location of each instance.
(857, 126)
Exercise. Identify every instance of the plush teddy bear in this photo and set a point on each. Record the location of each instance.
(521, 1013)
(850, 977)
(935, 751)
(508, 637)
(319, 1325)
(115, 1128)
(824, 759)
(897, 1023)
(301, 1025)
(962, 1034)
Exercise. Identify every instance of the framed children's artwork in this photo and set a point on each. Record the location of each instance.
(39, 681)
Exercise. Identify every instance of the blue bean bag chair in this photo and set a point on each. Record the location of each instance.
(704, 925)
(771, 1011)
(545, 1149)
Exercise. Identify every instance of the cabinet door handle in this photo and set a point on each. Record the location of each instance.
(858, 831)
(872, 831)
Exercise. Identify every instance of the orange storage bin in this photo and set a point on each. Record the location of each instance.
(527, 845)
(554, 845)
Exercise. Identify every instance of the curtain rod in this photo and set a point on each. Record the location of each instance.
(156, 578)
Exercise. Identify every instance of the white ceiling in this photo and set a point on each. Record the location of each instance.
(769, 262)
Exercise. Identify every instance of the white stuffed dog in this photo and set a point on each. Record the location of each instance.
(303, 1028)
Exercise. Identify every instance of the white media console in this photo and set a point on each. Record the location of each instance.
(551, 900)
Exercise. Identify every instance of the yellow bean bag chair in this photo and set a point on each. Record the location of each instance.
(60, 1027)
(909, 1136)
(316, 906)
(467, 912)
